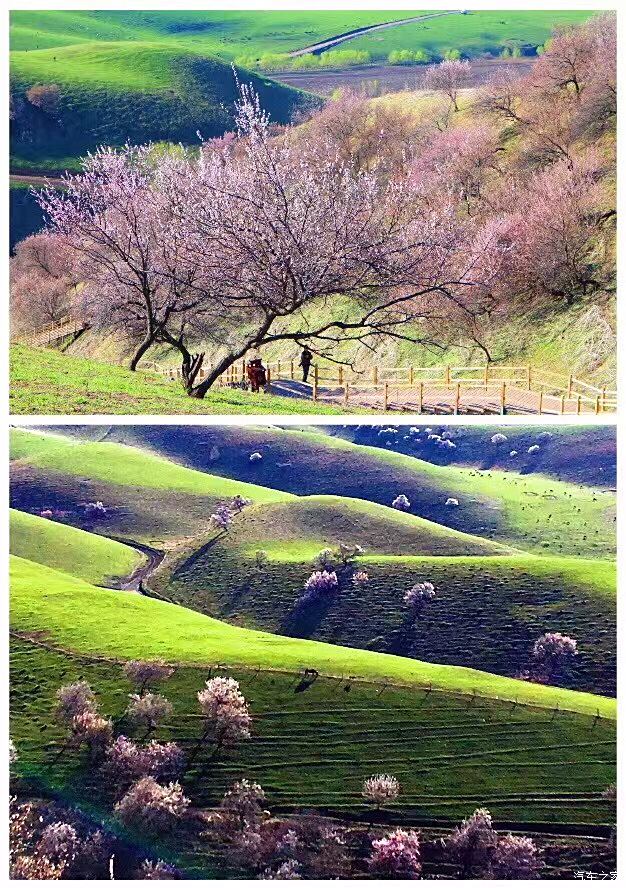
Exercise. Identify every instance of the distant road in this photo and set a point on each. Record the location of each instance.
(358, 32)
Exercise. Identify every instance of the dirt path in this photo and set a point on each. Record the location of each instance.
(358, 32)
(134, 582)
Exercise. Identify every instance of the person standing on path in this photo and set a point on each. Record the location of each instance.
(305, 362)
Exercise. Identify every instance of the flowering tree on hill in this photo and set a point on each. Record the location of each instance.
(234, 247)
(225, 714)
(449, 77)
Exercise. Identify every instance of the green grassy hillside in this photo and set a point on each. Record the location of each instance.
(525, 511)
(93, 558)
(479, 32)
(46, 382)
(88, 620)
(130, 466)
(113, 93)
(487, 613)
(231, 33)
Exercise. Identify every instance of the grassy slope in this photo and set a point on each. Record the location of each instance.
(113, 93)
(479, 32)
(487, 613)
(311, 523)
(451, 756)
(226, 33)
(46, 382)
(93, 558)
(234, 32)
(528, 512)
(99, 621)
(127, 466)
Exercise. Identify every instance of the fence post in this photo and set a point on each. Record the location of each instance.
(340, 375)
(603, 397)
(345, 395)
(421, 403)
(447, 376)
(578, 406)
(315, 381)
(375, 374)
(243, 369)
(569, 387)
(386, 397)
(528, 376)
(503, 398)
(486, 376)
(277, 369)
(291, 373)
(269, 375)
(597, 404)
(562, 403)
(541, 401)
(457, 400)
(410, 376)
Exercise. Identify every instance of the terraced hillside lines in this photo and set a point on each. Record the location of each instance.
(487, 614)
(528, 512)
(82, 618)
(48, 382)
(450, 754)
(93, 558)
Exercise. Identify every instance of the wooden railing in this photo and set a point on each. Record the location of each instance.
(53, 332)
(493, 388)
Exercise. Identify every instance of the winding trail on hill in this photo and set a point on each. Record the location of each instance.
(358, 32)
(134, 581)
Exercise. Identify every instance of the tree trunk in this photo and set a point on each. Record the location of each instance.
(143, 348)
(200, 390)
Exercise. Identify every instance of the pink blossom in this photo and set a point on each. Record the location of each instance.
(397, 855)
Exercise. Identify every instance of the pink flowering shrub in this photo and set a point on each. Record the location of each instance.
(145, 673)
(473, 844)
(402, 503)
(396, 856)
(516, 857)
(151, 870)
(153, 807)
(127, 761)
(552, 653)
(419, 595)
(321, 582)
(73, 700)
(59, 842)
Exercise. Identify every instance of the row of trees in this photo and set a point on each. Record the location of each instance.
(143, 777)
(364, 224)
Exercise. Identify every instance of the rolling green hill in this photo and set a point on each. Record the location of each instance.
(231, 33)
(113, 93)
(92, 621)
(467, 739)
(525, 511)
(87, 556)
(477, 33)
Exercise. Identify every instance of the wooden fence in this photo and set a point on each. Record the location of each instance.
(67, 326)
(486, 388)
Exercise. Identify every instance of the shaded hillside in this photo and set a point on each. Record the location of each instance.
(113, 93)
